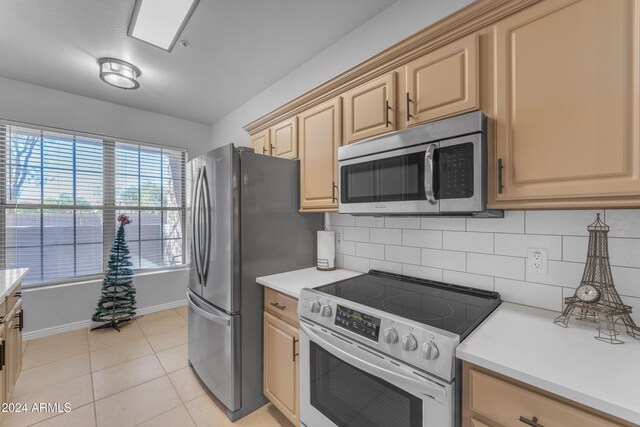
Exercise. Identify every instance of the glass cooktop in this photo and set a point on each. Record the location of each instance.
(452, 308)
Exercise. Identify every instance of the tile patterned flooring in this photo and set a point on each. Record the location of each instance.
(138, 377)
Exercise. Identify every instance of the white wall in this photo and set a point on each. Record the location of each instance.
(38, 105)
(72, 304)
(400, 20)
(491, 253)
(53, 309)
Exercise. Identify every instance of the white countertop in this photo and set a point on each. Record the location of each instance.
(523, 343)
(292, 282)
(9, 279)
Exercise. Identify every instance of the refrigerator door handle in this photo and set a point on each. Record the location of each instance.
(195, 226)
(204, 189)
(207, 315)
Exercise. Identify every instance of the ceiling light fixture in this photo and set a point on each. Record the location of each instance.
(119, 73)
(160, 22)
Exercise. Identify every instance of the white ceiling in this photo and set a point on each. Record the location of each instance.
(238, 48)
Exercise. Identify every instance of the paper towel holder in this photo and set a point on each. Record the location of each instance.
(323, 265)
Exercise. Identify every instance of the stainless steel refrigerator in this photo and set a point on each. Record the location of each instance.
(244, 223)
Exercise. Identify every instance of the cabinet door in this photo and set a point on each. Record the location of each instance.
(18, 339)
(319, 137)
(3, 370)
(369, 109)
(567, 105)
(284, 139)
(261, 142)
(281, 379)
(443, 82)
(10, 360)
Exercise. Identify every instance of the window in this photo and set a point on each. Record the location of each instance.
(60, 196)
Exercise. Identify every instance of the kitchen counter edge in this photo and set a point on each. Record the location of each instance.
(9, 280)
(292, 282)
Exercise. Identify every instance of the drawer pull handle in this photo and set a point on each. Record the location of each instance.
(278, 306)
(531, 422)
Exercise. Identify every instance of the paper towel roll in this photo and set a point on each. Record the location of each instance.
(326, 251)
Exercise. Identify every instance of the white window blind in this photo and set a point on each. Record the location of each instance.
(60, 196)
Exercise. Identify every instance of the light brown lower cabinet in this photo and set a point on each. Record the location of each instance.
(493, 400)
(11, 342)
(3, 371)
(281, 354)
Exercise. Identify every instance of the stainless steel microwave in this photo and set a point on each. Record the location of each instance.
(439, 168)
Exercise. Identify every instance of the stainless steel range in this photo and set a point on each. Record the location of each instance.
(378, 350)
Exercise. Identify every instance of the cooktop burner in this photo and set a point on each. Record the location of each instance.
(452, 308)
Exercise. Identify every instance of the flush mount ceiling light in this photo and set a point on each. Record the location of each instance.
(119, 73)
(160, 22)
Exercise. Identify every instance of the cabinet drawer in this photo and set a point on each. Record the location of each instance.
(281, 306)
(505, 403)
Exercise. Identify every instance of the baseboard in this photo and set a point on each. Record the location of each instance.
(41, 333)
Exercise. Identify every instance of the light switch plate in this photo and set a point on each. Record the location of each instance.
(537, 261)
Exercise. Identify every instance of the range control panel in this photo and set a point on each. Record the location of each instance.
(360, 323)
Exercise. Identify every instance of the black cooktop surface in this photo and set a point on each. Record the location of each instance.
(452, 308)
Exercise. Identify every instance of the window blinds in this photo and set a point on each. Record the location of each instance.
(60, 195)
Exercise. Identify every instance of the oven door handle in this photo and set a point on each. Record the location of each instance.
(425, 386)
(429, 173)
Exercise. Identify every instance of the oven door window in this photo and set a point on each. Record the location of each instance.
(391, 179)
(350, 397)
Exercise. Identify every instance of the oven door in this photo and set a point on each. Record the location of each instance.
(344, 383)
(394, 182)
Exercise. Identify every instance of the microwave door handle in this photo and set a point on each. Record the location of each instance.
(428, 174)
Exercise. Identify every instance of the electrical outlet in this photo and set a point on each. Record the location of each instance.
(537, 261)
(338, 238)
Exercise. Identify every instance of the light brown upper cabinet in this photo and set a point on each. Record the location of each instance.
(284, 139)
(261, 142)
(443, 82)
(369, 109)
(567, 107)
(319, 138)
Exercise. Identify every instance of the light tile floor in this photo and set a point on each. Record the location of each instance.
(138, 377)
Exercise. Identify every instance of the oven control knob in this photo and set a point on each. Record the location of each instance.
(409, 343)
(315, 307)
(326, 310)
(390, 336)
(430, 350)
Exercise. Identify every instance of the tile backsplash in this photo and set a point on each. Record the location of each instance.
(490, 253)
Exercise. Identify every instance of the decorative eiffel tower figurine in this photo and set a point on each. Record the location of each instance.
(596, 299)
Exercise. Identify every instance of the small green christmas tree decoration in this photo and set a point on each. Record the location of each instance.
(117, 304)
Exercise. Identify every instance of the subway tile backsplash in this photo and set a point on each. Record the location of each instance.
(491, 253)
